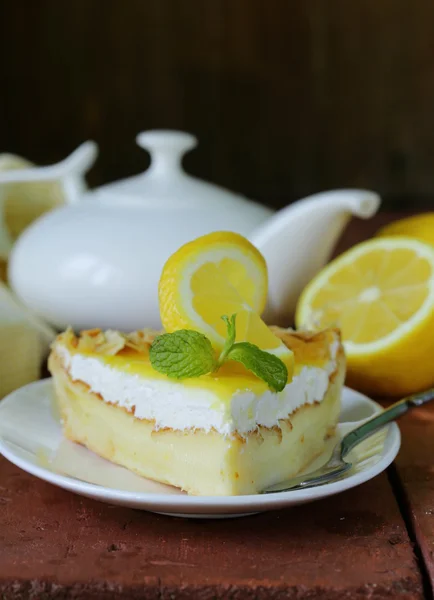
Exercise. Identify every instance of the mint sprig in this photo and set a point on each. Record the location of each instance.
(186, 353)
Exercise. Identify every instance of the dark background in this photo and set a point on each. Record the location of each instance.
(287, 97)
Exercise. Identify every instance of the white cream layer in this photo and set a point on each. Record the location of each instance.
(172, 404)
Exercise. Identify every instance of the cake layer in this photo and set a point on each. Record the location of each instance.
(202, 462)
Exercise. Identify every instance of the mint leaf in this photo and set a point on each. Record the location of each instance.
(182, 354)
(264, 365)
(232, 332)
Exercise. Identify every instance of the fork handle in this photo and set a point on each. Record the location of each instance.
(386, 416)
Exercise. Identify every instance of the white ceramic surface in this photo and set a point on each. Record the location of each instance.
(31, 438)
(97, 262)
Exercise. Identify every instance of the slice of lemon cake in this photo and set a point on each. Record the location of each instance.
(222, 433)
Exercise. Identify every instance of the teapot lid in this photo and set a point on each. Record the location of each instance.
(165, 183)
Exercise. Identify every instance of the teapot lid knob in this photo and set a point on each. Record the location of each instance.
(166, 148)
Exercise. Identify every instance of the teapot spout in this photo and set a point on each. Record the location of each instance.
(298, 241)
(363, 203)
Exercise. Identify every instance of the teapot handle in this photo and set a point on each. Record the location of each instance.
(166, 148)
(70, 172)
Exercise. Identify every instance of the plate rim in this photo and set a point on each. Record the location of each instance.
(188, 503)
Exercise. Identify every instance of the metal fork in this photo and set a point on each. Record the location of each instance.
(337, 465)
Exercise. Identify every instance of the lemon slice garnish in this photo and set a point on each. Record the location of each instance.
(219, 274)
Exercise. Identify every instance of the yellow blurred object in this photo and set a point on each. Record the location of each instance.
(24, 342)
(219, 274)
(381, 295)
(24, 202)
(420, 227)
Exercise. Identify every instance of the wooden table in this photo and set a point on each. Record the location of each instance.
(375, 541)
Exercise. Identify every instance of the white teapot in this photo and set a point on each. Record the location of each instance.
(96, 261)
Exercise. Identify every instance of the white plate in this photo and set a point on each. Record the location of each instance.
(31, 438)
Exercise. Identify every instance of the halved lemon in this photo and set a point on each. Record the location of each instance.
(420, 227)
(219, 274)
(381, 295)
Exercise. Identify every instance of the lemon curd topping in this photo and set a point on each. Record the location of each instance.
(228, 380)
(230, 400)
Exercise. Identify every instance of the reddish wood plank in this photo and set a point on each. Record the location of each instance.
(415, 465)
(57, 545)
